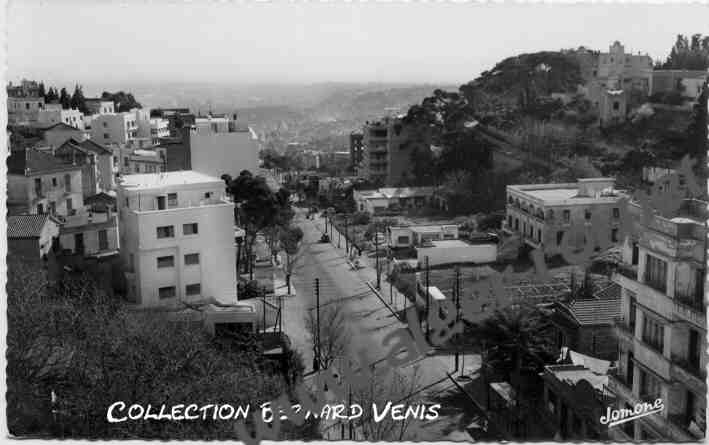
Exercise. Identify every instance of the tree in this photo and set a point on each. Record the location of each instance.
(51, 95)
(290, 240)
(124, 101)
(517, 339)
(387, 386)
(41, 91)
(64, 99)
(78, 100)
(72, 352)
(333, 334)
(689, 55)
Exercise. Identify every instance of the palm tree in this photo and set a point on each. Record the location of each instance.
(516, 342)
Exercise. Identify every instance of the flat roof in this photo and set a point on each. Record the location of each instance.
(553, 194)
(448, 243)
(157, 180)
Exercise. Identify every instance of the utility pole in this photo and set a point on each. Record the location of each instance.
(376, 252)
(330, 226)
(317, 321)
(347, 244)
(428, 301)
(264, 308)
(457, 317)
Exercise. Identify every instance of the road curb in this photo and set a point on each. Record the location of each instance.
(379, 295)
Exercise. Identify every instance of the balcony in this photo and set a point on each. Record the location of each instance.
(628, 271)
(682, 425)
(623, 329)
(659, 285)
(692, 375)
(650, 356)
(690, 310)
(620, 386)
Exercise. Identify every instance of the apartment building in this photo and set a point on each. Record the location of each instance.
(177, 238)
(54, 113)
(356, 148)
(38, 182)
(388, 145)
(544, 214)
(662, 330)
(58, 134)
(95, 161)
(100, 106)
(159, 128)
(117, 128)
(219, 145)
(24, 110)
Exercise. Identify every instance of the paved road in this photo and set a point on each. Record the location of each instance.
(368, 322)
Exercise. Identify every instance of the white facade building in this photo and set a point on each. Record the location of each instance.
(54, 114)
(177, 238)
(117, 128)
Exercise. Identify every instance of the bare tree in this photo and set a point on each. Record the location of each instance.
(291, 243)
(396, 386)
(333, 332)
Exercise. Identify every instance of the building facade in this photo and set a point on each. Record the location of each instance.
(177, 238)
(544, 214)
(39, 183)
(54, 113)
(356, 148)
(221, 146)
(387, 148)
(117, 128)
(100, 106)
(662, 329)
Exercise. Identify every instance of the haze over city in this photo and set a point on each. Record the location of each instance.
(278, 42)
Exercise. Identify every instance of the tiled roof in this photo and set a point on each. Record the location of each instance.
(31, 162)
(602, 309)
(100, 197)
(97, 148)
(27, 226)
(61, 125)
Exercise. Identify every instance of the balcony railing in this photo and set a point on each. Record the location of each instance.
(683, 422)
(628, 271)
(693, 368)
(623, 324)
(658, 285)
(694, 302)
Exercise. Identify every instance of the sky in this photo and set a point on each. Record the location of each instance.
(309, 42)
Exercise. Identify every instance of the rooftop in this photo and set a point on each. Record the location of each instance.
(573, 374)
(158, 180)
(33, 162)
(27, 226)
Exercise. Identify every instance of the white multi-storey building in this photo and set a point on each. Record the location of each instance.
(117, 128)
(53, 114)
(662, 332)
(543, 214)
(177, 238)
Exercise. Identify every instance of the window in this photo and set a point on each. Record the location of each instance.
(616, 213)
(106, 136)
(193, 289)
(38, 186)
(614, 235)
(191, 258)
(172, 200)
(539, 235)
(53, 208)
(115, 159)
(559, 237)
(656, 273)
(137, 168)
(650, 388)
(189, 229)
(69, 206)
(616, 105)
(653, 332)
(166, 261)
(166, 292)
(40, 209)
(403, 240)
(67, 183)
(567, 215)
(166, 232)
(105, 125)
(54, 182)
(102, 240)
(636, 254)
(207, 195)
(587, 215)
(125, 162)
(509, 220)
(27, 106)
